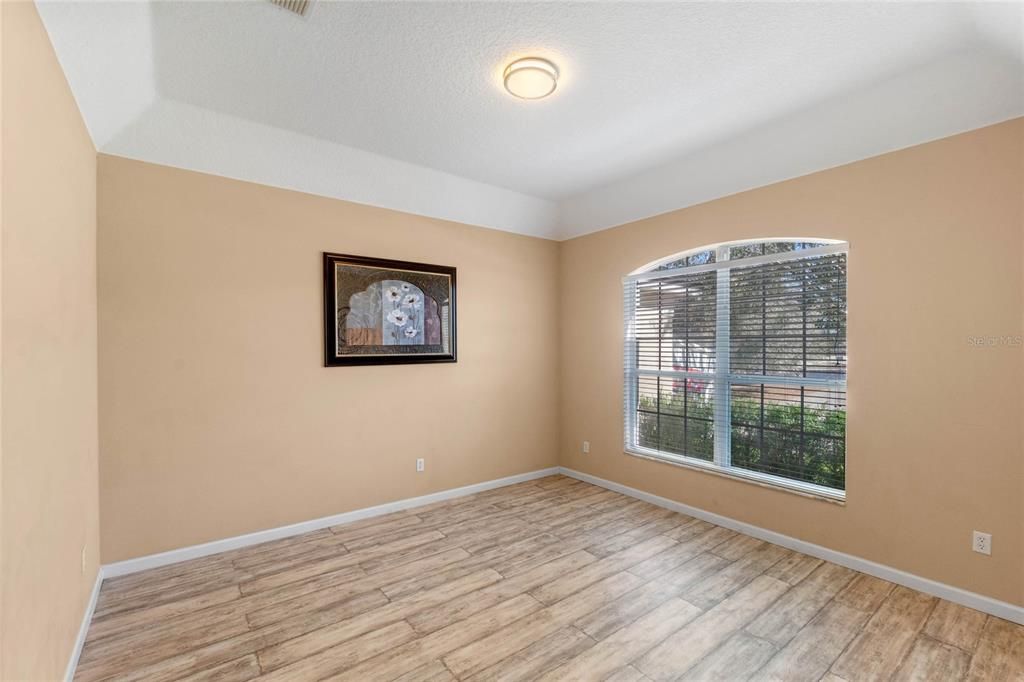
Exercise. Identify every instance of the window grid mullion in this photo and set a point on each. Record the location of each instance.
(803, 373)
(722, 428)
(686, 365)
(657, 384)
(764, 359)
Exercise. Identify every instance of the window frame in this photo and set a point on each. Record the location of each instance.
(723, 379)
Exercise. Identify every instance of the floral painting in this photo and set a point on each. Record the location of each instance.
(383, 311)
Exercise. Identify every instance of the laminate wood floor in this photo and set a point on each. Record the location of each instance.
(552, 579)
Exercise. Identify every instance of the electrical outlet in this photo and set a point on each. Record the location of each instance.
(586, 447)
(982, 543)
(420, 464)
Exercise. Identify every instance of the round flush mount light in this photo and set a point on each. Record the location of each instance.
(531, 78)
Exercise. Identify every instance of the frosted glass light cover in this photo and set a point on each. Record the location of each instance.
(531, 78)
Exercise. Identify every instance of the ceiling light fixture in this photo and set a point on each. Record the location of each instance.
(531, 78)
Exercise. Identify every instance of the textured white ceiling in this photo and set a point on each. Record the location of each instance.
(660, 105)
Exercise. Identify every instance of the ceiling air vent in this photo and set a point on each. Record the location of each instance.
(300, 7)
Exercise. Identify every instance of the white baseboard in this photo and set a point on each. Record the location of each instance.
(973, 600)
(83, 629)
(195, 551)
(982, 603)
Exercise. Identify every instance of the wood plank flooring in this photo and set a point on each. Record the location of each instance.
(552, 579)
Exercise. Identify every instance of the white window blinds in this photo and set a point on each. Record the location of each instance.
(735, 360)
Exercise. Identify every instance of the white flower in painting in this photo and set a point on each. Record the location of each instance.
(393, 294)
(398, 317)
(411, 301)
(405, 287)
(410, 332)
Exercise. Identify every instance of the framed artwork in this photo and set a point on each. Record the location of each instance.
(381, 312)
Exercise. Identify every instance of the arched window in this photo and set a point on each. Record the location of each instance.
(735, 359)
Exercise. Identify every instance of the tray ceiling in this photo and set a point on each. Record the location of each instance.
(659, 106)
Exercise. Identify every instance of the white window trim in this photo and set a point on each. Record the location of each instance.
(766, 480)
(723, 379)
(742, 263)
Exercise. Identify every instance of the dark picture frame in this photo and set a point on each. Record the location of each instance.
(379, 311)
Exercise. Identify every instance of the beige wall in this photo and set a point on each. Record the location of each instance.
(936, 237)
(49, 437)
(217, 416)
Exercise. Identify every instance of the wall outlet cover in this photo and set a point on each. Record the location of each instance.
(982, 542)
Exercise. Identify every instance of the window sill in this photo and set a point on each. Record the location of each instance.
(765, 480)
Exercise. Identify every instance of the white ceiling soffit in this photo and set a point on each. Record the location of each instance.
(660, 105)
